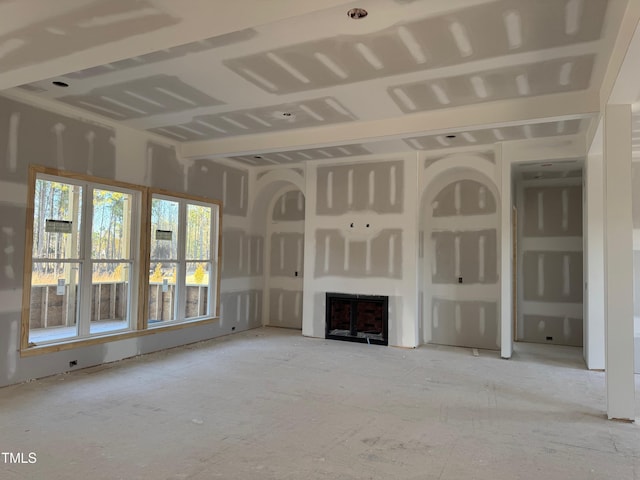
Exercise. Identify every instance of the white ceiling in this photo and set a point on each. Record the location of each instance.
(303, 76)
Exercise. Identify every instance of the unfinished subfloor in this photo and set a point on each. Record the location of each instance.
(270, 404)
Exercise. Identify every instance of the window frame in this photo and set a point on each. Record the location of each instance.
(139, 255)
(215, 257)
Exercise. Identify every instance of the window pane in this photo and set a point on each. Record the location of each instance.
(198, 233)
(109, 297)
(111, 232)
(162, 292)
(164, 229)
(56, 220)
(54, 301)
(197, 285)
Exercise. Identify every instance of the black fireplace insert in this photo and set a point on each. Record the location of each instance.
(357, 318)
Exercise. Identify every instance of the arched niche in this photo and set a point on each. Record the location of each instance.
(278, 214)
(459, 248)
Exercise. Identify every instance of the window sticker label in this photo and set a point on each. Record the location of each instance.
(58, 226)
(60, 288)
(164, 234)
(165, 284)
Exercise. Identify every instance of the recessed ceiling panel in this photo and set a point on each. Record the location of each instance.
(95, 23)
(288, 116)
(484, 31)
(499, 84)
(295, 156)
(168, 54)
(141, 98)
(493, 135)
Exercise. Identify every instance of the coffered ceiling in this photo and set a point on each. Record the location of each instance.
(294, 81)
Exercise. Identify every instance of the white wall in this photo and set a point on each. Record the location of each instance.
(374, 260)
(594, 263)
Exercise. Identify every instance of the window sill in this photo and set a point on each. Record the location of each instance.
(85, 342)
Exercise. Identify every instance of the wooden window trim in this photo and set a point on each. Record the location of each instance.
(139, 325)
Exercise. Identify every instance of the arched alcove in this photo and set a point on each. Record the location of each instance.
(279, 214)
(459, 265)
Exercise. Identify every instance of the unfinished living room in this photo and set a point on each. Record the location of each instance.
(320, 240)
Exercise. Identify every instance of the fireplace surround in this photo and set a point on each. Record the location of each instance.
(357, 318)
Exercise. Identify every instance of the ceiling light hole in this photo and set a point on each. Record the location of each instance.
(58, 83)
(288, 116)
(258, 157)
(546, 164)
(357, 13)
(451, 136)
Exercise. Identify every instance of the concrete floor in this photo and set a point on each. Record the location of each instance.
(270, 404)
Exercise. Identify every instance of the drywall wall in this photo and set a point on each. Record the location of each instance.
(550, 262)
(360, 238)
(459, 225)
(635, 191)
(32, 135)
(285, 264)
(593, 258)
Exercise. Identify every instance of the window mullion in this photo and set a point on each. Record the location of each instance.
(86, 266)
(181, 267)
(213, 255)
(134, 266)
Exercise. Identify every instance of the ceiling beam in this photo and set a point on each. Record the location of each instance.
(541, 149)
(620, 83)
(486, 115)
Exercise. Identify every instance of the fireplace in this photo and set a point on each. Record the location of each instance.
(357, 318)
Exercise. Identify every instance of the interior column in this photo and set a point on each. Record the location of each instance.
(618, 257)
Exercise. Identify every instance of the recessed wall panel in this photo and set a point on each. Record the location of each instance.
(553, 211)
(241, 308)
(164, 170)
(465, 323)
(242, 254)
(220, 182)
(289, 207)
(552, 276)
(286, 254)
(553, 330)
(376, 187)
(285, 308)
(33, 136)
(476, 253)
(12, 244)
(338, 254)
(466, 197)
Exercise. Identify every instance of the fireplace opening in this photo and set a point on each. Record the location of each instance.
(357, 318)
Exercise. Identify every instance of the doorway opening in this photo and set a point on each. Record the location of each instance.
(548, 253)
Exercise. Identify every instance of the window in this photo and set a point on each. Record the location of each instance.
(95, 273)
(83, 259)
(183, 259)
